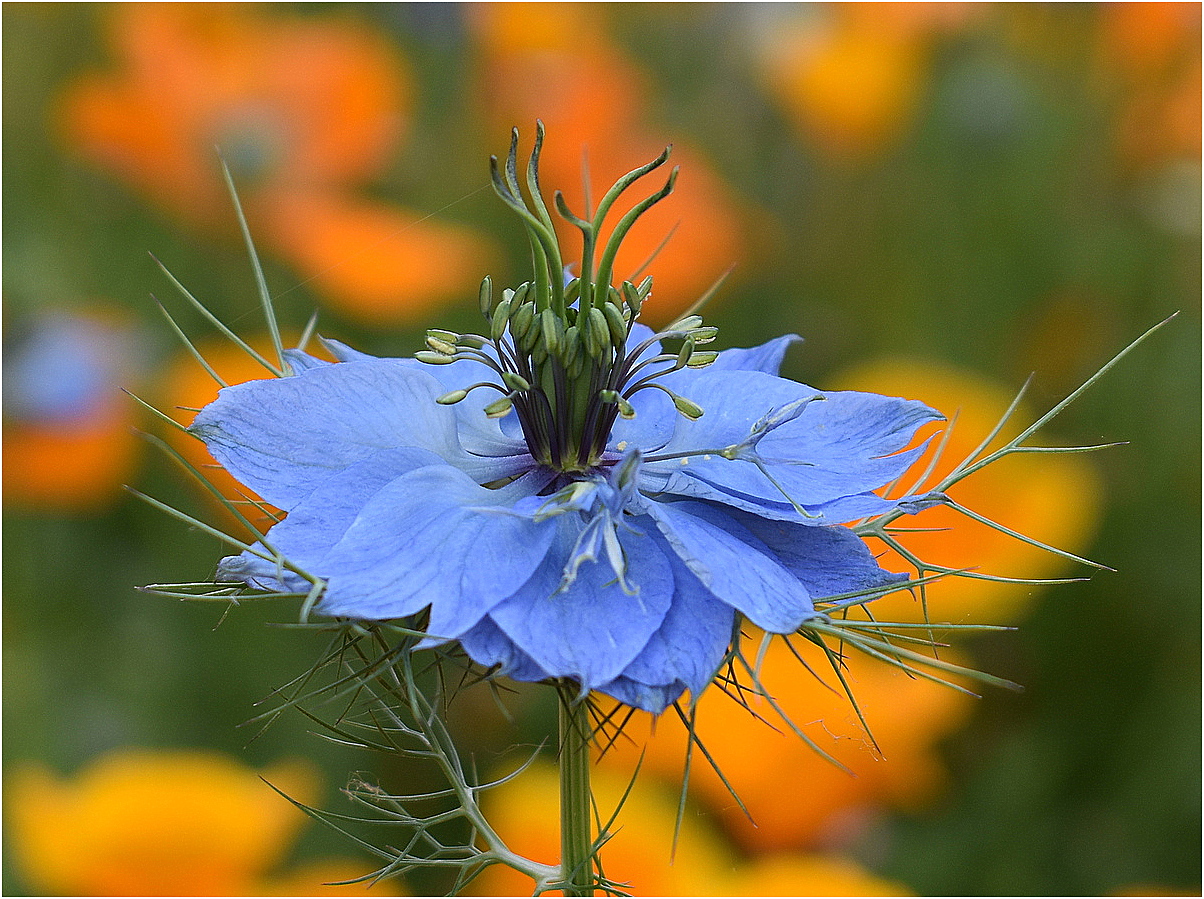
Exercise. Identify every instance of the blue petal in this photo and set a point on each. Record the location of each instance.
(487, 645)
(653, 698)
(733, 564)
(592, 630)
(827, 560)
(298, 361)
(319, 521)
(766, 358)
(684, 653)
(431, 537)
(846, 445)
(390, 544)
(838, 511)
(479, 434)
(283, 437)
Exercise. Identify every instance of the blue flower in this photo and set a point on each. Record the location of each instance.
(626, 578)
(609, 520)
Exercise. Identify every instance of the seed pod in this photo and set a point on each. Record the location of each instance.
(520, 294)
(687, 350)
(633, 296)
(433, 358)
(471, 341)
(570, 346)
(440, 346)
(553, 331)
(689, 323)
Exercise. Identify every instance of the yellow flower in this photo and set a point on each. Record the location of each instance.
(154, 823)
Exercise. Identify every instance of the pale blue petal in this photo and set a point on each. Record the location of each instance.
(300, 361)
(685, 652)
(733, 564)
(344, 353)
(487, 645)
(847, 444)
(283, 437)
(479, 434)
(593, 630)
(652, 427)
(431, 537)
(828, 561)
(319, 521)
(766, 358)
(654, 698)
(838, 511)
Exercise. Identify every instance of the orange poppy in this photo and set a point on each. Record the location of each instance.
(373, 262)
(298, 103)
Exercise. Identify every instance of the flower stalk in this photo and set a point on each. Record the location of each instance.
(576, 846)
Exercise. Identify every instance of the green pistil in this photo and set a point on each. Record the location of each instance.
(564, 371)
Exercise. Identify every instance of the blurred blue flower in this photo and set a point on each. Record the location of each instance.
(625, 575)
(66, 368)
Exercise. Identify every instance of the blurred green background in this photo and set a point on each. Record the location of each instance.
(1000, 188)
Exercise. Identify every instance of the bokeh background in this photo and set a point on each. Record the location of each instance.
(941, 198)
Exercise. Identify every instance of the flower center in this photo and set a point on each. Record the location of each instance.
(563, 348)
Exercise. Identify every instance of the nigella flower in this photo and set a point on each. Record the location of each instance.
(608, 519)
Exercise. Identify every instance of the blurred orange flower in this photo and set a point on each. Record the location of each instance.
(641, 856)
(303, 110)
(156, 823)
(1052, 498)
(1155, 47)
(69, 441)
(851, 75)
(591, 98)
(795, 797)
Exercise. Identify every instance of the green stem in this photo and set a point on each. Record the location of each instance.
(576, 845)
